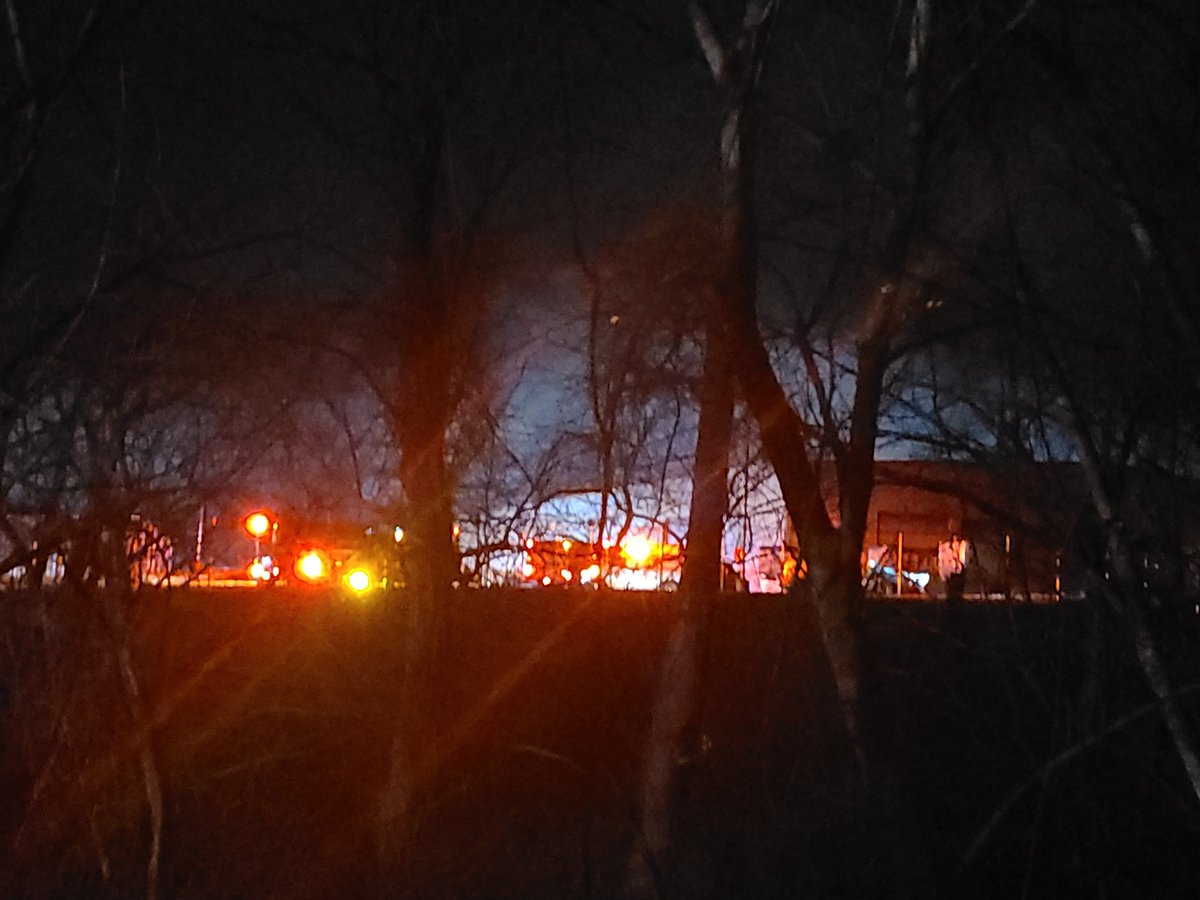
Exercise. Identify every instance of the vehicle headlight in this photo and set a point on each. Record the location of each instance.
(359, 580)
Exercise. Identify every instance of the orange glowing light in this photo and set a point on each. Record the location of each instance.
(312, 566)
(257, 524)
(359, 580)
(637, 550)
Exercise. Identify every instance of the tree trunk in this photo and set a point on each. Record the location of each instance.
(834, 591)
(735, 72)
(674, 707)
(675, 696)
(883, 801)
(432, 559)
(422, 412)
(433, 563)
(710, 480)
(395, 827)
(112, 520)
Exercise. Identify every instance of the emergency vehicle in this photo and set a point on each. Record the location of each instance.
(639, 562)
(322, 554)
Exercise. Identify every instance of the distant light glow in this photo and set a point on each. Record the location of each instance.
(398, 534)
(257, 524)
(637, 549)
(566, 574)
(359, 580)
(312, 566)
(261, 571)
(590, 574)
(635, 580)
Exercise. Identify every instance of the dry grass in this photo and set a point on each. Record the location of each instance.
(272, 713)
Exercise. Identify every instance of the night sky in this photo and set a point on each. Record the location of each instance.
(213, 183)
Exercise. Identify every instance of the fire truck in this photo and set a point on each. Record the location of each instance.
(638, 562)
(324, 554)
(561, 561)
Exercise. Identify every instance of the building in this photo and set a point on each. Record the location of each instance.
(1033, 530)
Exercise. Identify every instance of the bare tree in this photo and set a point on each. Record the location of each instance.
(121, 408)
(1083, 309)
(422, 78)
(1130, 424)
(736, 71)
(880, 273)
(433, 100)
